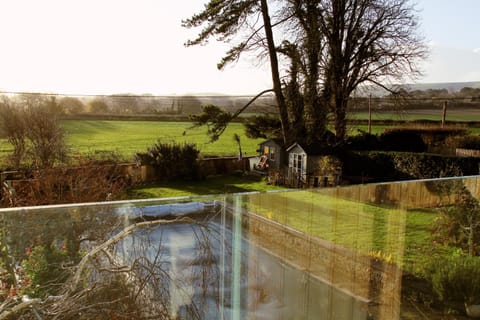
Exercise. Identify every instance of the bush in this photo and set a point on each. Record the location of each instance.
(363, 141)
(390, 166)
(172, 161)
(455, 280)
(459, 225)
(44, 270)
(89, 181)
(402, 140)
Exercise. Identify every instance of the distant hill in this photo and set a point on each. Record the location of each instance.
(450, 86)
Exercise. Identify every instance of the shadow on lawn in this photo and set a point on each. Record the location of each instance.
(210, 185)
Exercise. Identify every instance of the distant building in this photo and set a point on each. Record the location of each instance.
(309, 166)
(272, 155)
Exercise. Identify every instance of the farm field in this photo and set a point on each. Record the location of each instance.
(411, 115)
(127, 137)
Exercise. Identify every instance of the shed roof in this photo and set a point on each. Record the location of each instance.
(315, 148)
(279, 142)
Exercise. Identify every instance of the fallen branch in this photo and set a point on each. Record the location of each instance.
(19, 307)
(119, 236)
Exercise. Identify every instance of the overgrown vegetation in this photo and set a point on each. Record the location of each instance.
(68, 266)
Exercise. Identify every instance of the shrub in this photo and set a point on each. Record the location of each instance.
(89, 181)
(363, 141)
(402, 140)
(455, 279)
(45, 271)
(171, 160)
(388, 166)
(459, 225)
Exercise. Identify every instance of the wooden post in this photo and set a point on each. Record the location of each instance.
(444, 113)
(370, 114)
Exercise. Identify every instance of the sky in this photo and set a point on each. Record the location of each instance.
(137, 46)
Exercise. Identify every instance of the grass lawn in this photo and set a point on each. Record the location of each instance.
(211, 185)
(363, 227)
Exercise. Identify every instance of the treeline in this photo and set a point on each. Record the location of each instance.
(180, 107)
(127, 104)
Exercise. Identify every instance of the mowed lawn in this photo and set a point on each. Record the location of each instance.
(404, 236)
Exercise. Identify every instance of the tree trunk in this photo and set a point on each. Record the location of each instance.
(277, 86)
(340, 119)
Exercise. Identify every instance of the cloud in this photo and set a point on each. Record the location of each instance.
(476, 50)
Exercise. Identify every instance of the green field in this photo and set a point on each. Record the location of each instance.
(127, 137)
(410, 115)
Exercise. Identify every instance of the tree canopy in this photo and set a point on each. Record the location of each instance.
(325, 48)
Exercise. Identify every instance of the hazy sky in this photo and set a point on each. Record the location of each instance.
(136, 46)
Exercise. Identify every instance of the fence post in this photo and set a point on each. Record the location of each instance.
(444, 113)
(370, 114)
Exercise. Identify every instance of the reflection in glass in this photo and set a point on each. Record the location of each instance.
(357, 252)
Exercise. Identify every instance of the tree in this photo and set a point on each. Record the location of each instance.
(72, 105)
(123, 103)
(98, 105)
(366, 41)
(224, 19)
(33, 128)
(46, 137)
(13, 127)
(333, 47)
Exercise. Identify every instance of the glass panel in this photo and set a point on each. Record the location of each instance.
(356, 252)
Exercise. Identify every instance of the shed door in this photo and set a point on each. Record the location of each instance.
(297, 163)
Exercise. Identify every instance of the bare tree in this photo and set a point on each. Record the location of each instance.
(46, 137)
(33, 128)
(366, 41)
(333, 47)
(13, 127)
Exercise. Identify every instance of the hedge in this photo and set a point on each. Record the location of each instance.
(392, 166)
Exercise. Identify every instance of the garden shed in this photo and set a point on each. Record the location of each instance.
(272, 154)
(310, 166)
